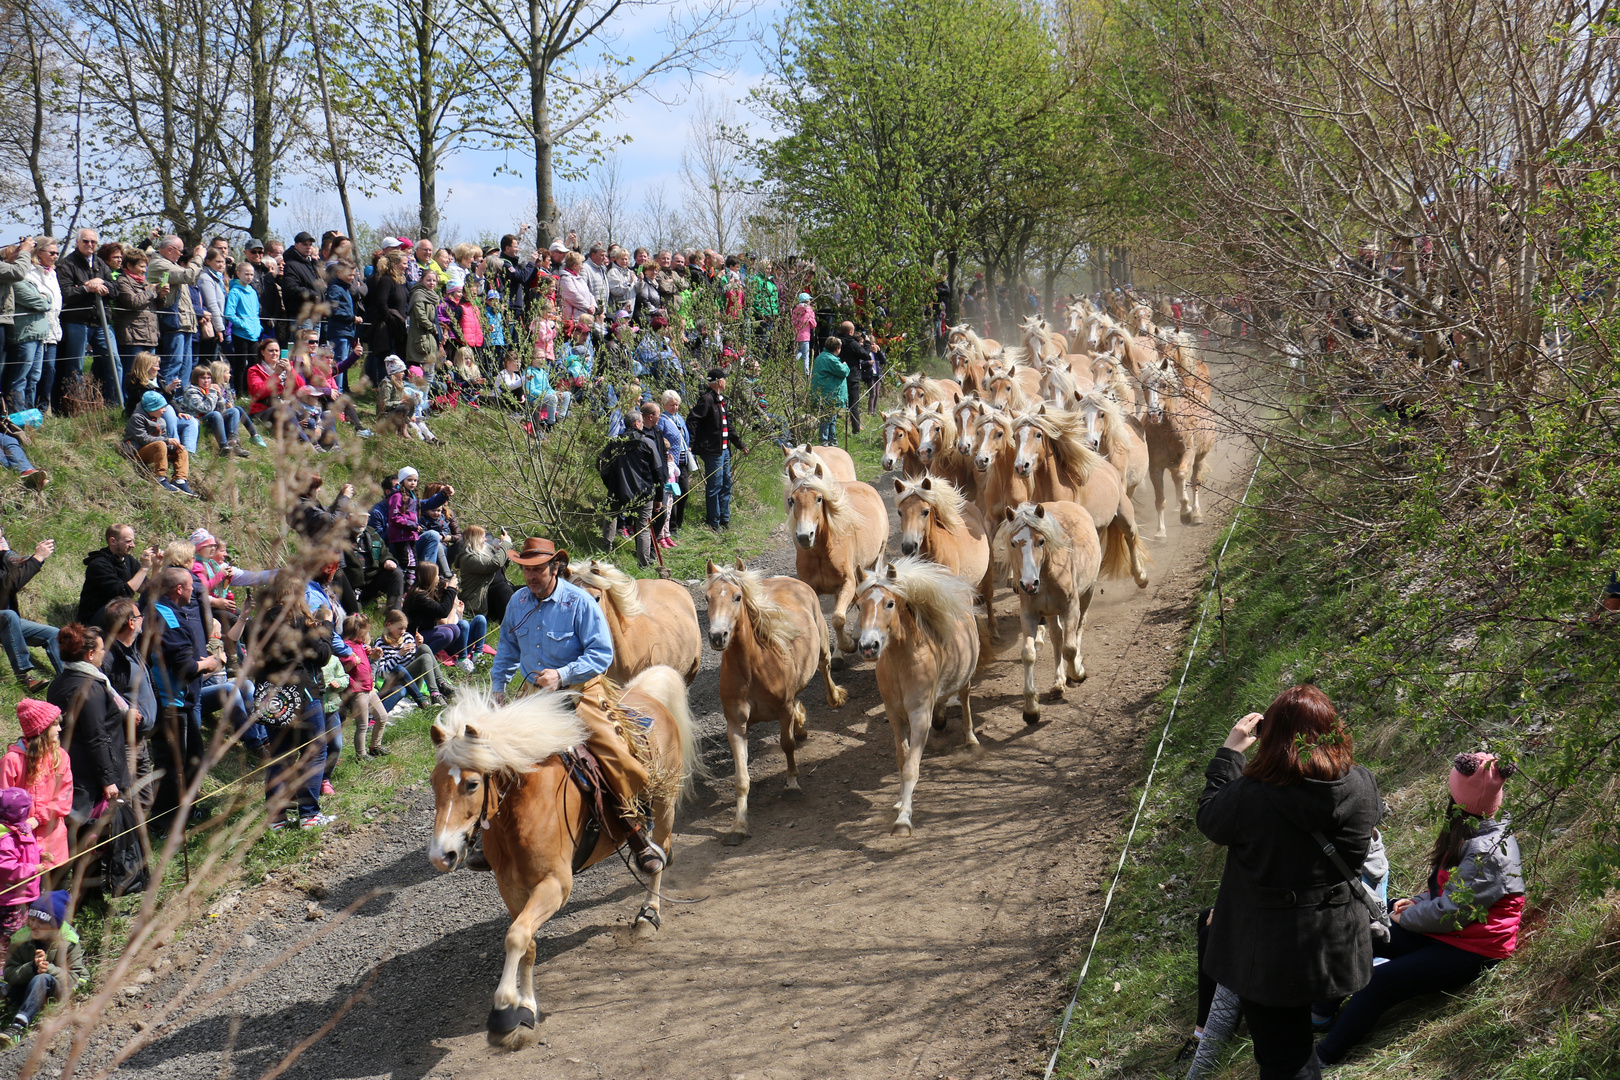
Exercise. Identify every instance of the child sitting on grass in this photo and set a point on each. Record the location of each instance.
(44, 962)
(402, 663)
(361, 701)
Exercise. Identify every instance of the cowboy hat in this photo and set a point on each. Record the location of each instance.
(537, 551)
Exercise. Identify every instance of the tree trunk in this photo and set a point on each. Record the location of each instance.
(331, 129)
(540, 121)
(427, 151)
(263, 125)
(990, 305)
(950, 286)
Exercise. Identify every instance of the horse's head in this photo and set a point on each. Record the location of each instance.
(806, 510)
(1093, 415)
(915, 514)
(799, 462)
(999, 387)
(877, 610)
(966, 415)
(1027, 545)
(899, 439)
(1030, 442)
(930, 433)
(458, 805)
(991, 440)
(724, 591)
(1156, 378)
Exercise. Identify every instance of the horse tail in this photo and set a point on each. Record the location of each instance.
(666, 686)
(1116, 552)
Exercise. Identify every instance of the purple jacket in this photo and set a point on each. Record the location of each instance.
(404, 512)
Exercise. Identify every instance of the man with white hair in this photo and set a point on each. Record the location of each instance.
(177, 334)
(595, 274)
(86, 282)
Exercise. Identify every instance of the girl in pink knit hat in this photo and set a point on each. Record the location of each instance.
(37, 764)
(1467, 920)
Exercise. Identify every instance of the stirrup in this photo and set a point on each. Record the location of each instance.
(651, 852)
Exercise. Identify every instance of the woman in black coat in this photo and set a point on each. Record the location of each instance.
(387, 312)
(1287, 930)
(93, 722)
(287, 648)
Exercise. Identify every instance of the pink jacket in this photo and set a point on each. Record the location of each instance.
(472, 329)
(576, 296)
(19, 865)
(53, 798)
(804, 322)
(545, 334)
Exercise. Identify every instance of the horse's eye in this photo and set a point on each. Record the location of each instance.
(925, 512)
(819, 499)
(891, 603)
(470, 783)
(1040, 543)
(737, 599)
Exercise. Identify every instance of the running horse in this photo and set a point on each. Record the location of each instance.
(1179, 426)
(919, 390)
(837, 529)
(802, 458)
(900, 441)
(1052, 557)
(938, 523)
(772, 640)
(653, 622)
(937, 448)
(916, 622)
(504, 769)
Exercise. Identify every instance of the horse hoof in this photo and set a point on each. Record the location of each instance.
(938, 723)
(836, 664)
(801, 736)
(1075, 680)
(1055, 694)
(1186, 519)
(644, 931)
(504, 1023)
(732, 839)
(837, 698)
(900, 829)
(1032, 718)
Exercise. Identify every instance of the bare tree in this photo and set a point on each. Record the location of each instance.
(660, 221)
(611, 199)
(715, 175)
(32, 107)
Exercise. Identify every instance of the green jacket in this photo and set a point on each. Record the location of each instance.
(829, 379)
(20, 960)
(763, 296)
(477, 570)
(422, 336)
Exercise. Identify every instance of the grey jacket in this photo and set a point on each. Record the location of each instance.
(1288, 930)
(11, 273)
(179, 275)
(1488, 870)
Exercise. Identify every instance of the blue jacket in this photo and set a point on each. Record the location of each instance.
(340, 314)
(674, 431)
(242, 312)
(181, 646)
(566, 631)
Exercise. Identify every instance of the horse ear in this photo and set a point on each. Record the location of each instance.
(1011, 513)
(928, 483)
(471, 732)
(893, 574)
(1040, 510)
(436, 735)
(741, 565)
(899, 486)
(712, 569)
(820, 474)
(959, 397)
(1042, 410)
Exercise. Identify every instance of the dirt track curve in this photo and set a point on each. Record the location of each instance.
(823, 948)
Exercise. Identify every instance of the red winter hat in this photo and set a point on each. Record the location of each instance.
(1476, 782)
(36, 716)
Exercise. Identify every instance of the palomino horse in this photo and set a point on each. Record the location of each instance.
(1134, 353)
(1059, 387)
(1052, 556)
(498, 768)
(1051, 453)
(1180, 431)
(802, 458)
(1044, 345)
(1014, 388)
(937, 448)
(653, 622)
(1093, 328)
(965, 415)
(900, 440)
(837, 528)
(964, 336)
(994, 449)
(1108, 375)
(1114, 437)
(919, 390)
(772, 640)
(939, 524)
(916, 621)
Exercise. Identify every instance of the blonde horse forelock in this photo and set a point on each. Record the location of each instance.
(771, 622)
(941, 496)
(598, 574)
(842, 517)
(506, 739)
(1025, 517)
(947, 422)
(1113, 417)
(938, 598)
(1066, 434)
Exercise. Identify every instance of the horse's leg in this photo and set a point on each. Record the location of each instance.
(987, 593)
(1156, 474)
(737, 736)
(1060, 646)
(1032, 703)
(1180, 472)
(841, 602)
(1071, 640)
(544, 900)
(1125, 518)
(836, 695)
(1198, 486)
(910, 736)
(793, 713)
(968, 737)
(648, 919)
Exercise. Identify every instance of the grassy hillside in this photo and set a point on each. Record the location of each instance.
(1300, 610)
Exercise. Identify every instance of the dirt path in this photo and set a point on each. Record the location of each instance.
(823, 948)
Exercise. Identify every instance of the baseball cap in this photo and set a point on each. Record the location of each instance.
(255, 244)
(558, 246)
(303, 238)
(390, 243)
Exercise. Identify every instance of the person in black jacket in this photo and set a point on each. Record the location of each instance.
(268, 287)
(86, 282)
(288, 647)
(113, 572)
(93, 723)
(301, 283)
(16, 632)
(859, 360)
(1288, 929)
(177, 655)
(126, 671)
(714, 432)
(633, 470)
(388, 313)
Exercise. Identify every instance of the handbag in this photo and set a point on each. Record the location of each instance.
(278, 705)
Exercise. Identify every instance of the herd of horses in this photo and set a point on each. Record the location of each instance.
(1020, 469)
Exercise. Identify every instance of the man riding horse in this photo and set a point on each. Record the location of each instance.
(555, 633)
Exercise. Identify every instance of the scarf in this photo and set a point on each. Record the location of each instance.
(100, 676)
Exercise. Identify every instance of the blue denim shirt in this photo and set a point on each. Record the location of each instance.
(566, 631)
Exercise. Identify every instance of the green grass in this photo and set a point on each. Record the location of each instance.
(1546, 1013)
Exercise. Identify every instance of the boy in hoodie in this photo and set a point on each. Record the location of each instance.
(148, 440)
(44, 962)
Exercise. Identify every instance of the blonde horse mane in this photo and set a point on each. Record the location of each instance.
(947, 422)
(938, 598)
(1016, 398)
(933, 393)
(1025, 516)
(483, 737)
(842, 517)
(1060, 380)
(1113, 417)
(1066, 434)
(772, 623)
(1038, 334)
(941, 496)
(601, 574)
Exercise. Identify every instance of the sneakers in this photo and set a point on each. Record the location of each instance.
(489, 650)
(364, 433)
(317, 821)
(11, 1036)
(258, 440)
(168, 485)
(437, 701)
(35, 479)
(466, 664)
(180, 487)
(377, 751)
(238, 449)
(281, 823)
(327, 789)
(32, 683)
(625, 533)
